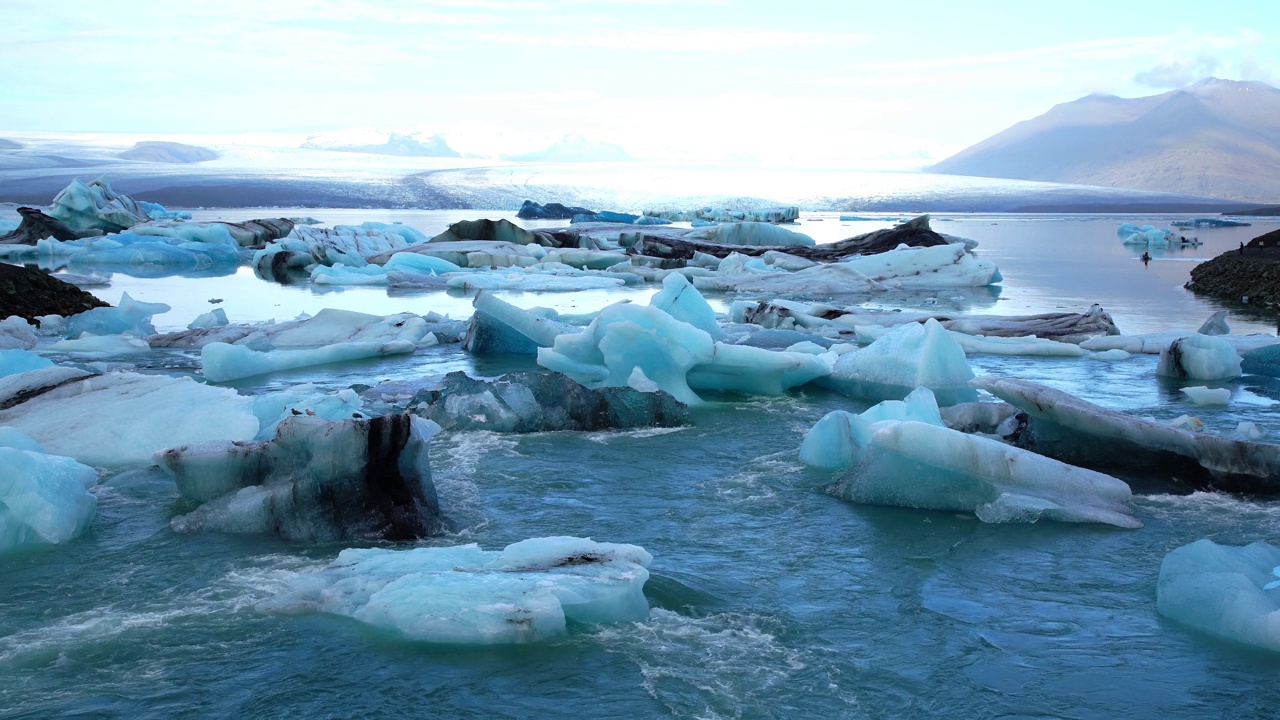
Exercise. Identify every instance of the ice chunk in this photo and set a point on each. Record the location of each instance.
(221, 362)
(1076, 431)
(465, 595)
(348, 245)
(44, 499)
(1246, 430)
(11, 438)
(543, 402)
(741, 368)
(122, 419)
(838, 439)
(754, 233)
(274, 407)
(13, 362)
(96, 207)
(100, 346)
(640, 382)
(1201, 395)
(409, 262)
(910, 356)
(214, 318)
(938, 266)
(1216, 324)
(1199, 357)
(822, 280)
(500, 328)
(531, 281)
(315, 481)
(1223, 591)
(344, 275)
(131, 317)
(624, 337)
(16, 334)
(683, 302)
(919, 465)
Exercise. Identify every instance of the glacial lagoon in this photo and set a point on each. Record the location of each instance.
(768, 595)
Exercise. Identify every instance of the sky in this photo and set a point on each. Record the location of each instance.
(851, 84)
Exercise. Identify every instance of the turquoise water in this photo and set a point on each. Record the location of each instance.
(770, 597)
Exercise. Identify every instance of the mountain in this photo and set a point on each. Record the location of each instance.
(575, 148)
(382, 143)
(157, 151)
(1216, 138)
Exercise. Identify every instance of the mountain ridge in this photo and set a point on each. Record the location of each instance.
(1218, 138)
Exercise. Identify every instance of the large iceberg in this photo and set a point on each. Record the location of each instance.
(500, 328)
(528, 592)
(315, 481)
(96, 206)
(912, 355)
(221, 362)
(121, 419)
(131, 318)
(328, 327)
(754, 233)
(44, 499)
(539, 402)
(1229, 592)
(902, 455)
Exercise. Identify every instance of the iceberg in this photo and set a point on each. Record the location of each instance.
(500, 328)
(540, 402)
(471, 254)
(937, 266)
(96, 206)
(131, 317)
(350, 245)
(624, 337)
(1201, 395)
(531, 281)
(754, 234)
(120, 419)
(1147, 235)
(330, 326)
(910, 356)
(1073, 430)
(528, 592)
(682, 301)
(756, 371)
(315, 481)
(839, 438)
(13, 362)
(1208, 223)
(44, 499)
(899, 453)
(1199, 357)
(821, 280)
(16, 334)
(1228, 592)
(222, 362)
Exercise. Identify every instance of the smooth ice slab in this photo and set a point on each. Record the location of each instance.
(315, 481)
(122, 419)
(44, 499)
(1201, 395)
(1231, 593)
(919, 465)
(221, 362)
(464, 595)
(910, 356)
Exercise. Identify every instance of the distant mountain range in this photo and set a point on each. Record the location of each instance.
(382, 143)
(1216, 138)
(575, 148)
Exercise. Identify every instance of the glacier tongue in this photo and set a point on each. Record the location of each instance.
(528, 592)
(315, 481)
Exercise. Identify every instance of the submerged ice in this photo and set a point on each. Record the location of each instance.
(1227, 592)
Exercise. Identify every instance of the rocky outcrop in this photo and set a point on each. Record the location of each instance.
(1250, 275)
(30, 293)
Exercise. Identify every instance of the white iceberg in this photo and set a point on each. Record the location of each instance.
(1199, 357)
(463, 595)
(130, 317)
(912, 355)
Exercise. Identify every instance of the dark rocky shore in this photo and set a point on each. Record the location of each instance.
(30, 293)
(1250, 275)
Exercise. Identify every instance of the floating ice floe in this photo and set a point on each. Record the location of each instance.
(1199, 357)
(315, 481)
(463, 595)
(821, 280)
(537, 402)
(910, 356)
(120, 419)
(1228, 592)
(1201, 395)
(44, 499)
(1025, 346)
(1077, 431)
(472, 254)
(350, 245)
(899, 453)
(1208, 223)
(15, 361)
(755, 234)
(221, 362)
